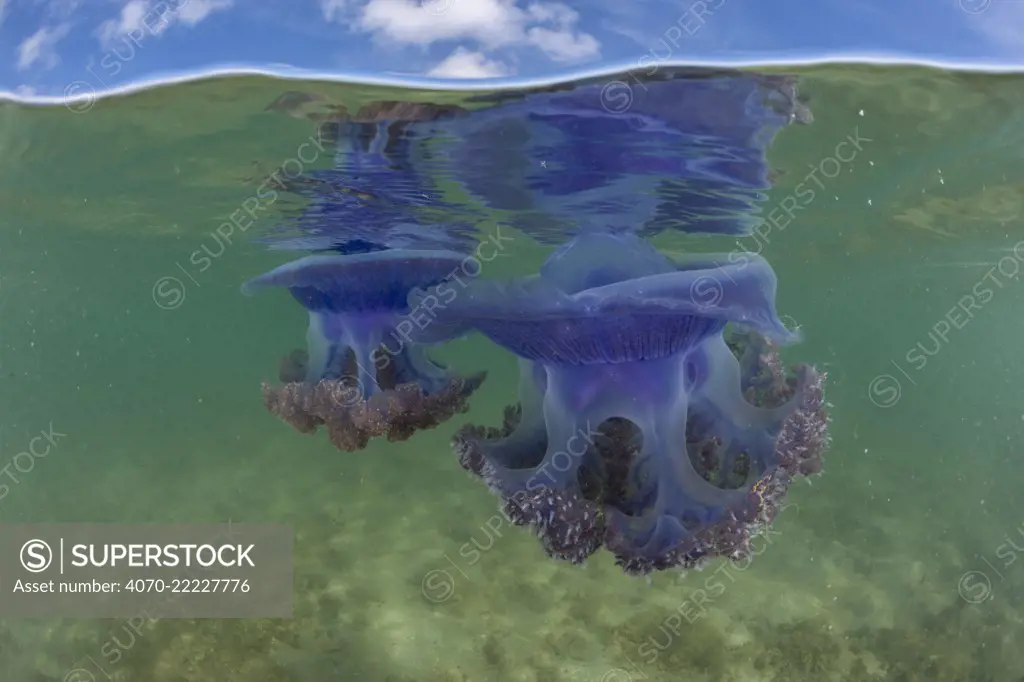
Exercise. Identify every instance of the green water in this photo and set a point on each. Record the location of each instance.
(157, 393)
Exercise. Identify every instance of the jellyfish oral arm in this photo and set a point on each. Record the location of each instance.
(331, 335)
(323, 344)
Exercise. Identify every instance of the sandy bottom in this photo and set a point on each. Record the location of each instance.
(403, 578)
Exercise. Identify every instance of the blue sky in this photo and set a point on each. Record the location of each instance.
(49, 46)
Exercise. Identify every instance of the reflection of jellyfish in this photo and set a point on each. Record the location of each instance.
(633, 429)
(364, 375)
(687, 154)
(381, 190)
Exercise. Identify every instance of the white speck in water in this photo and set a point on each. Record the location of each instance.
(860, 113)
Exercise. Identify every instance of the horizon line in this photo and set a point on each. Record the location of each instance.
(83, 91)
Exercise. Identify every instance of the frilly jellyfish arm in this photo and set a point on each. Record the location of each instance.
(724, 388)
(354, 302)
(522, 448)
(743, 428)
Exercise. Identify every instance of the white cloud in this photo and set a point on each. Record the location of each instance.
(132, 20)
(491, 24)
(3, 6)
(139, 18)
(562, 43)
(557, 13)
(463, 63)
(564, 46)
(40, 47)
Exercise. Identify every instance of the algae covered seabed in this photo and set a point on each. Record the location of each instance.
(899, 563)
